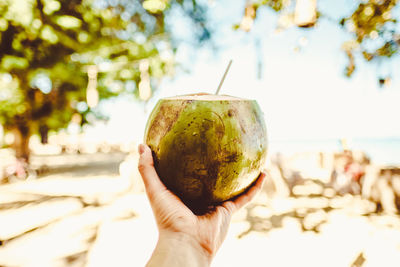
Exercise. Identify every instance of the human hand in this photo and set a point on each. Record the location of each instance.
(198, 236)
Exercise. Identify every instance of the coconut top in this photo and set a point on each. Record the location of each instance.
(206, 97)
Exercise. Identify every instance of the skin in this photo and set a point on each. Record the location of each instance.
(186, 239)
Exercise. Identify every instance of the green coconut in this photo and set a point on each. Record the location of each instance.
(207, 148)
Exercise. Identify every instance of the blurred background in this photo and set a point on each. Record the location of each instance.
(79, 78)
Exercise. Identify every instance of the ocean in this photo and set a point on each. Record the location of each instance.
(382, 151)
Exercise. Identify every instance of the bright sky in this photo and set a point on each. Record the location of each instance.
(304, 94)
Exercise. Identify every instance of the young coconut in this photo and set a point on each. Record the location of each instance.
(207, 148)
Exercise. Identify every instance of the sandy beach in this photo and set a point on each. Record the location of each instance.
(90, 210)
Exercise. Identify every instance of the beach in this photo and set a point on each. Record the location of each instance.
(91, 210)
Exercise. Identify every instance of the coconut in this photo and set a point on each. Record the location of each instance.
(207, 148)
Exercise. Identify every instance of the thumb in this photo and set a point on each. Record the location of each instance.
(146, 168)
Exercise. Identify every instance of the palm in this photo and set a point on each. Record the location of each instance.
(173, 215)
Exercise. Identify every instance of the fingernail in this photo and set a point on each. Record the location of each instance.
(141, 149)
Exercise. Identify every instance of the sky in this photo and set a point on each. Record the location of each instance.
(303, 94)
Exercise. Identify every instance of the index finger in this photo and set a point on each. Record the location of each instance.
(146, 168)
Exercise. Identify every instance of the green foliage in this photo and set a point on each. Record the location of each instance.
(372, 25)
(374, 31)
(47, 46)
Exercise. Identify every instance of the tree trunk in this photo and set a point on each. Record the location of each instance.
(44, 134)
(21, 142)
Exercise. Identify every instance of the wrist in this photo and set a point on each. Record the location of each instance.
(179, 249)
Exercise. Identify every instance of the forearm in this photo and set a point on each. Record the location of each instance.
(176, 250)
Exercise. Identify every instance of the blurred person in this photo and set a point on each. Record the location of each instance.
(347, 173)
(186, 239)
(18, 170)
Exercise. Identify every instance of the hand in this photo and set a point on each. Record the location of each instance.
(178, 225)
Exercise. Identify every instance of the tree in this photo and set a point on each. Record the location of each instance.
(372, 25)
(59, 57)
